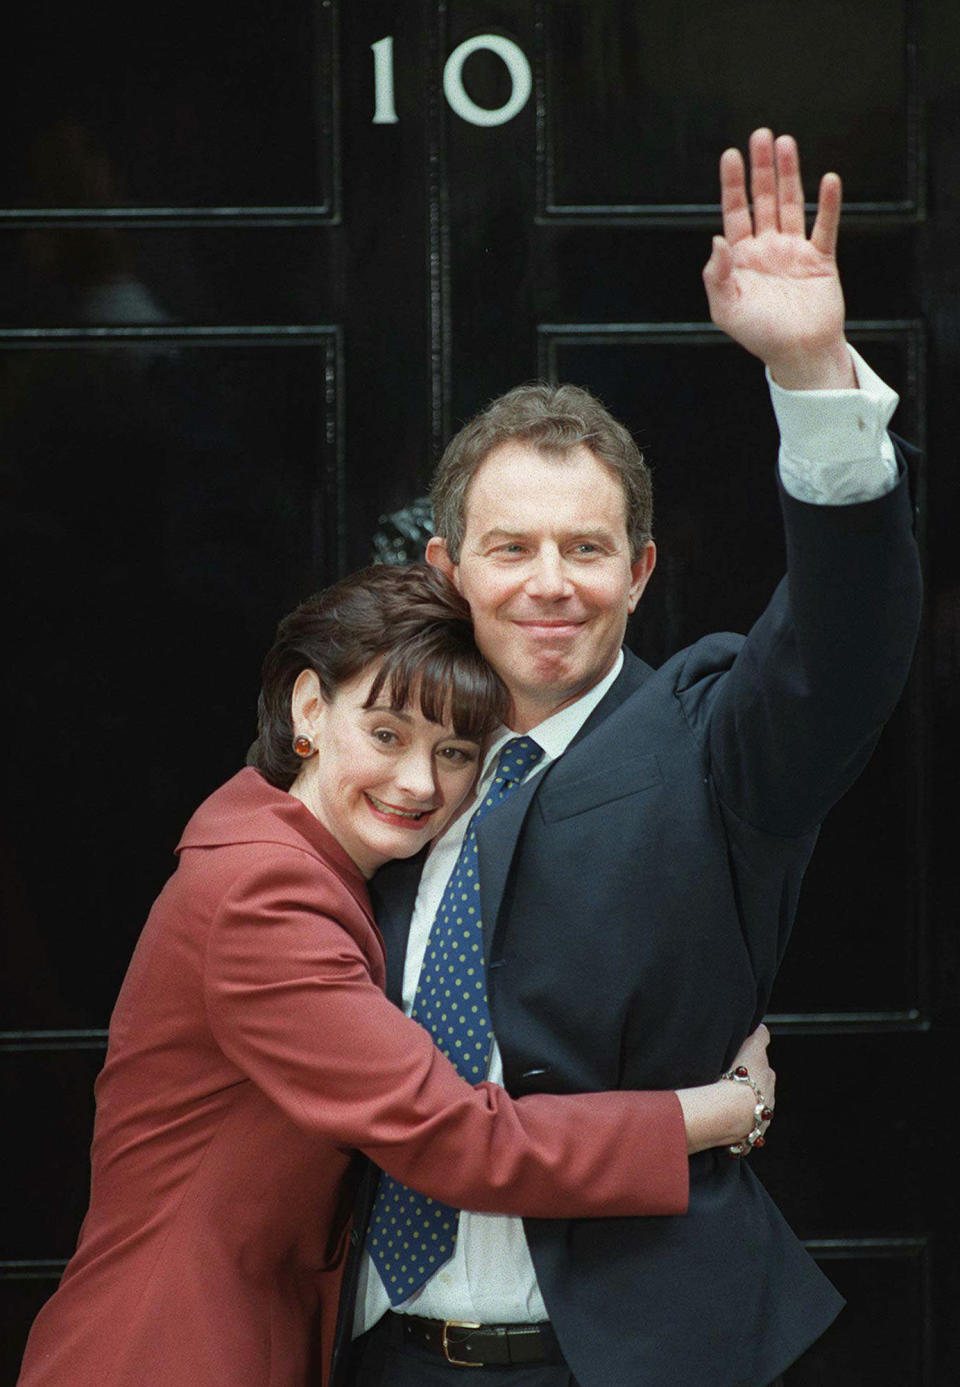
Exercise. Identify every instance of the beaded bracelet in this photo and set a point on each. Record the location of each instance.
(761, 1113)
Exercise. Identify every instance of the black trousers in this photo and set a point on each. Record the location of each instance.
(376, 1362)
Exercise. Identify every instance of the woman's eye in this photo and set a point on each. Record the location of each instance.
(458, 756)
(384, 736)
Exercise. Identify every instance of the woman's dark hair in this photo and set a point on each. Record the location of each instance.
(414, 622)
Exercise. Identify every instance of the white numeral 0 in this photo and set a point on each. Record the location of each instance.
(514, 58)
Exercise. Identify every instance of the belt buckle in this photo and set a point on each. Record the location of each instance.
(457, 1324)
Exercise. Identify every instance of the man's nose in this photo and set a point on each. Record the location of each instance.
(547, 578)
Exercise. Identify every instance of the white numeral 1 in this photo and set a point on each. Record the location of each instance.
(385, 112)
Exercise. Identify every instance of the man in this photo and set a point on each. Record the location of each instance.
(638, 887)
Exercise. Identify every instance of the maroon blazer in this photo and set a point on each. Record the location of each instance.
(251, 1051)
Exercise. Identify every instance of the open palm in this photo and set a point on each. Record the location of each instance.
(770, 287)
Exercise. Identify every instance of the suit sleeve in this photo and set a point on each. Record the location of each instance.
(292, 1002)
(791, 723)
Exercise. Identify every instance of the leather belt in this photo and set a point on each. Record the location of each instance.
(468, 1345)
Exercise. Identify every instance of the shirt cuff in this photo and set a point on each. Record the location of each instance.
(834, 445)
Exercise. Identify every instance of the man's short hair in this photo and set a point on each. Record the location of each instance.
(553, 419)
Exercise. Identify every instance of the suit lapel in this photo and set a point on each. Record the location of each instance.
(633, 675)
(497, 836)
(393, 891)
(499, 831)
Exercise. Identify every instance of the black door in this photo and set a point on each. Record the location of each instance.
(259, 261)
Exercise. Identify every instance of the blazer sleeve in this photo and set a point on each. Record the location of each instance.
(292, 1002)
(791, 723)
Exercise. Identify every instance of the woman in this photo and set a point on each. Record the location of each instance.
(252, 1048)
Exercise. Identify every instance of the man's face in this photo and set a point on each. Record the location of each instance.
(545, 566)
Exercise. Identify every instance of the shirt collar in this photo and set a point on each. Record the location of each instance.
(557, 731)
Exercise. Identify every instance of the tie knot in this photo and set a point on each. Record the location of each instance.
(517, 757)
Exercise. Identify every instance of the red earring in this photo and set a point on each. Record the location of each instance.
(302, 745)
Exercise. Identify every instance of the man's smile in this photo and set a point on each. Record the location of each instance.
(550, 625)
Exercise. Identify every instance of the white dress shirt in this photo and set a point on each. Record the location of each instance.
(834, 450)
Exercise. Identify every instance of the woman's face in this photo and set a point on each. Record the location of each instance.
(383, 782)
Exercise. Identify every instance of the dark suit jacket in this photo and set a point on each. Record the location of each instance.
(637, 899)
(251, 1048)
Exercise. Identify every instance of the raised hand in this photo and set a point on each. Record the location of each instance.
(770, 287)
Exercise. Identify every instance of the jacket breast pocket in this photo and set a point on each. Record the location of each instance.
(563, 799)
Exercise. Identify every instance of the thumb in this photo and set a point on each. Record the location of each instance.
(718, 269)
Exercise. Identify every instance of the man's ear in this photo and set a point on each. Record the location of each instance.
(437, 556)
(641, 569)
(307, 704)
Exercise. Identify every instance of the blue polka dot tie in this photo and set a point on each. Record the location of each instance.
(410, 1235)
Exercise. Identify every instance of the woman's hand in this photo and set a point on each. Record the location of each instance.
(721, 1114)
(753, 1056)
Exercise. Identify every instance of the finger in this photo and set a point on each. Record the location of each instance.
(763, 182)
(789, 186)
(824, 233)
(737, 222)
(717, 270)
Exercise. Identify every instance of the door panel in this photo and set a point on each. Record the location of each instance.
(256, 268)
